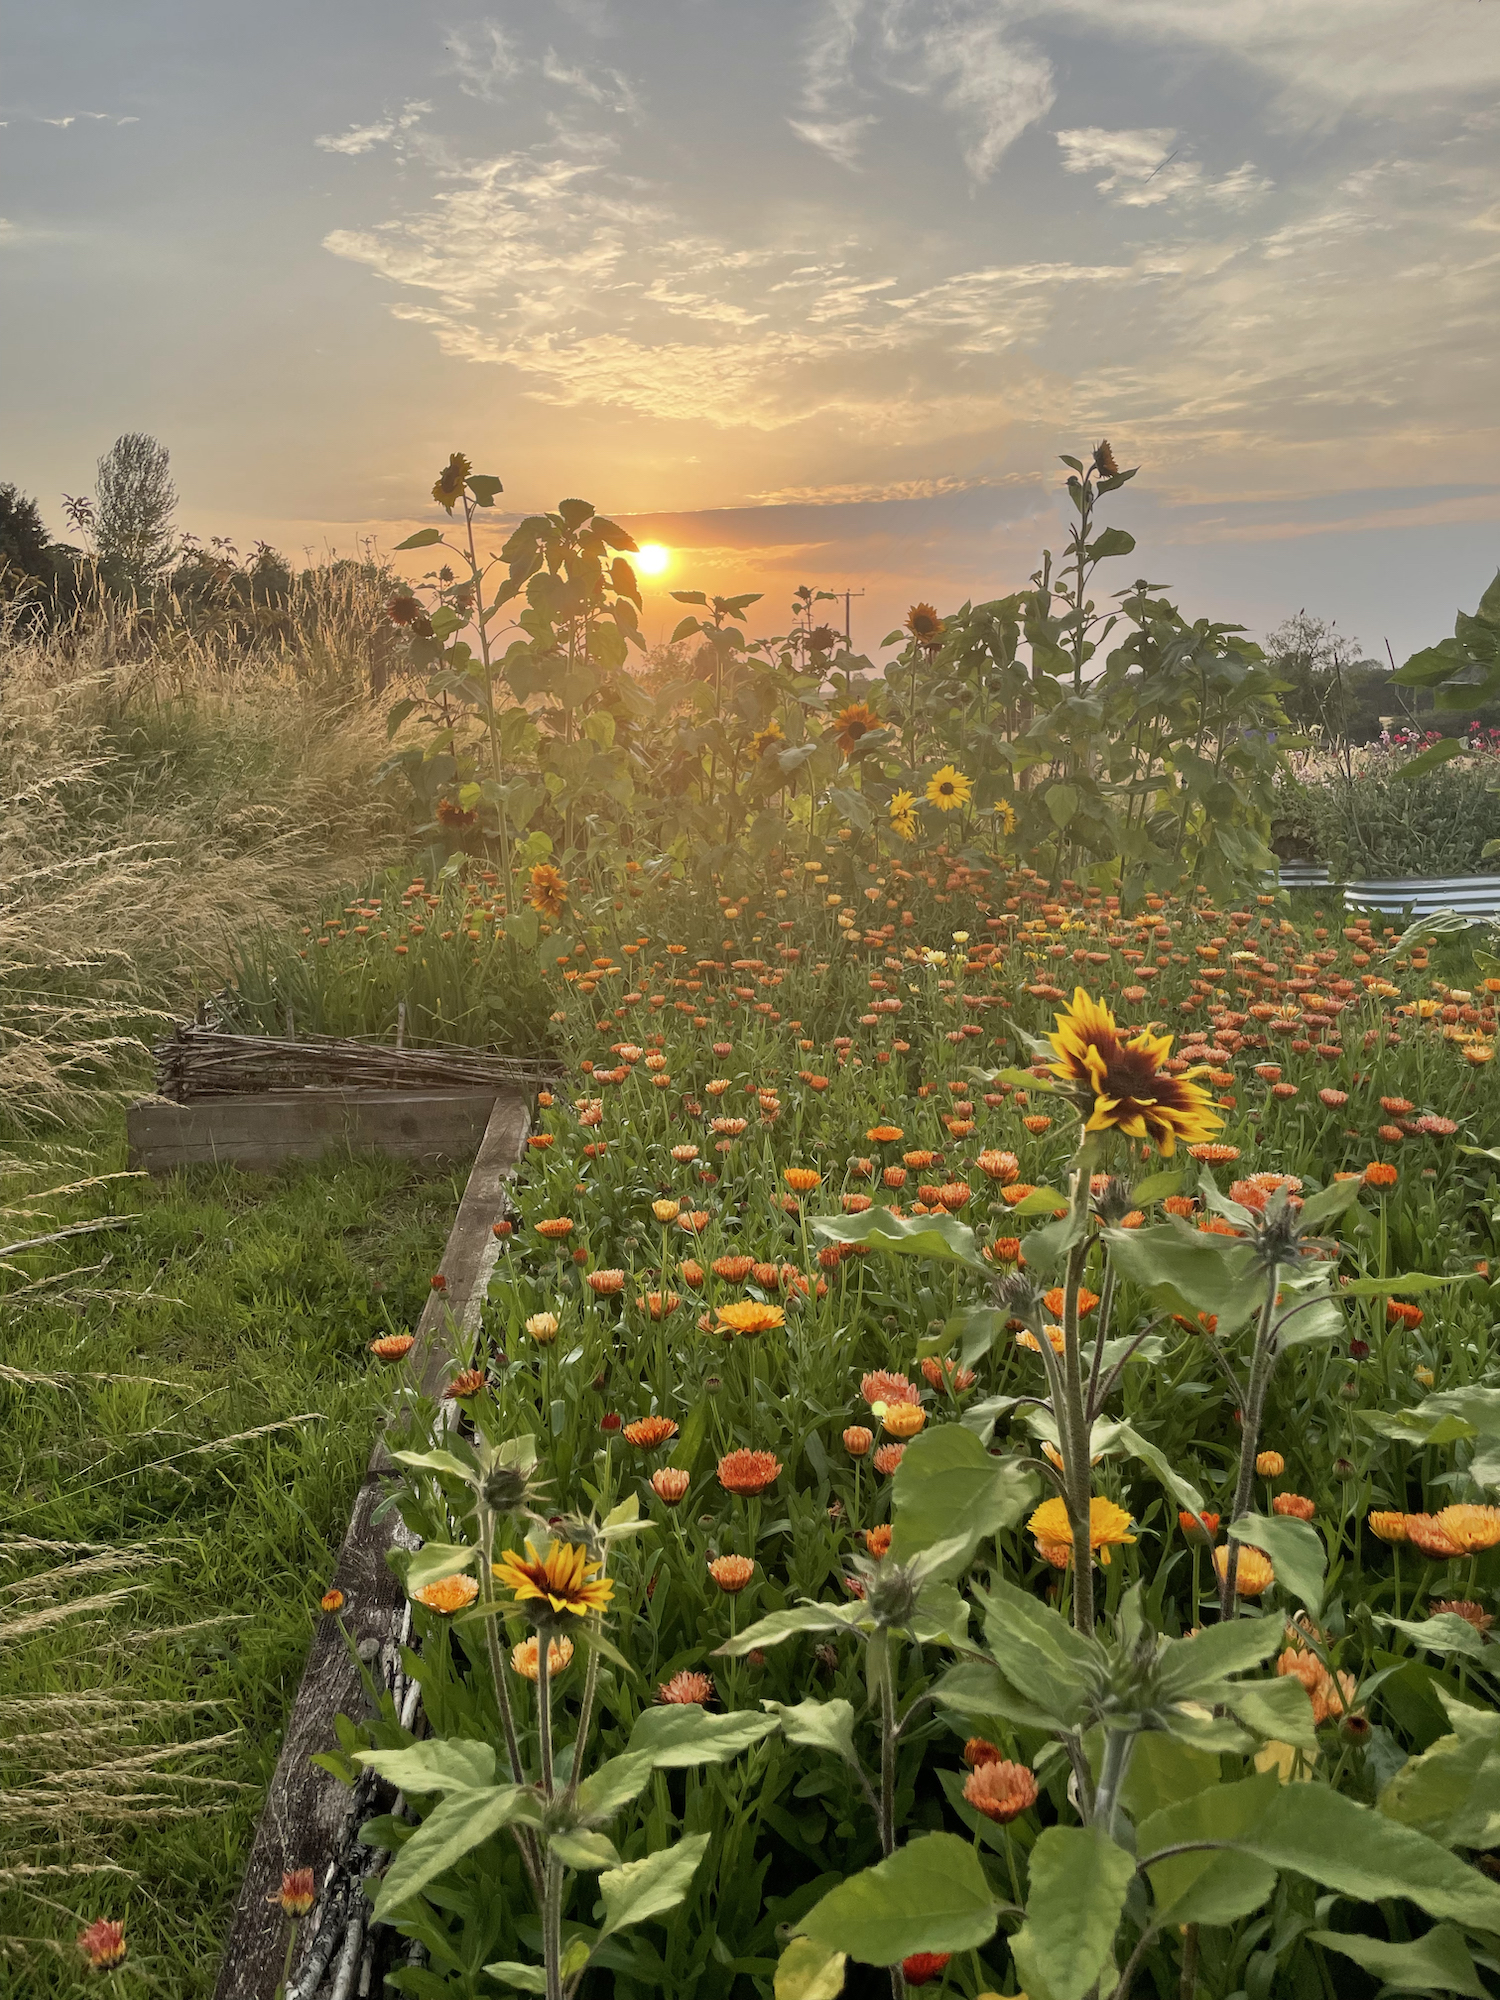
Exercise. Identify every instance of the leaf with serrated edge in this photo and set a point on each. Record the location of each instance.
(930, 1895)
(443, 1764)
(1077, 1895)
(650, 1887)
(454, 1829)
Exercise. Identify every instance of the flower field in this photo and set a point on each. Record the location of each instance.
(860, 1270)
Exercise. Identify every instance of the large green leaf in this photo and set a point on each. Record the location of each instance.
(422, 539)
(930, 1895)
(948, 1486)
(941, 1238)
(614, 1784)
(650, 1887)
(1445, 1632)
(1452, 1791)
(1363, 1854)
(817, 1725)
(525, 1978)
(435, 1560)
(780, 1625)
(1078, 1882)
(975, 1688)
(1436, 1963)
(442, 1764)
(586, 1852)
(1190, 1665)
(676, 1736)
(1205, 1273)
(1124, 1438)
(1429, 759)
(1279, 1709)
(1296, 1551)
(1208, 1887)
(807, 1971)
(458, 1825)
(1162, 1771)
(1405, 1281)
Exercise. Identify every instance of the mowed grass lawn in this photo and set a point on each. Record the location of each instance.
(186, 1404)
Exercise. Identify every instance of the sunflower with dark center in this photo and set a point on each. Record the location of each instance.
(924, 624)
(561, 1582)
(449, 484)
(853, 722)
(1123, 1084)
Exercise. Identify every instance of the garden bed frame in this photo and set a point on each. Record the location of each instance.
(308, 1820)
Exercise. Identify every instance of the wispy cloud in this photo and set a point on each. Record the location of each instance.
(1153, 166)
(961, 54)
(484, 59)
(365, 138)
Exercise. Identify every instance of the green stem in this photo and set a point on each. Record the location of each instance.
(1262, 1363)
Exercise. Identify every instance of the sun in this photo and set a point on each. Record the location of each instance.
(652, 559)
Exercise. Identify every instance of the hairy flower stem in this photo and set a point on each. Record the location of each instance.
(585, 1716)
(552, 1928)
(1073, 1430)
(1262, 1365)
(1093, 1399)
(888, 1738)
(524, 1838)
(1118, 1744)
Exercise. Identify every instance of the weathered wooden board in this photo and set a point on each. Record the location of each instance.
(305, 1821)
(260, 1133)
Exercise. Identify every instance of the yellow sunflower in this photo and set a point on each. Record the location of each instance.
(767, 739)
(948, 788)
(549, 890)
(449, 485)
(1005, 812)
(924, 624)
(563, 1579)
(904, 823)
(1124, 1081)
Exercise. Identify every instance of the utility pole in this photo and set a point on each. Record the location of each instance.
(847, 595)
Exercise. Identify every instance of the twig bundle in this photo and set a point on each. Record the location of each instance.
(198, 1061)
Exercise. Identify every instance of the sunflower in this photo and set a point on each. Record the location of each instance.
(1005, 812)
(1125, 1081)
(924, 624)
(948, 788)
(449, 484)
(549, 890)
(857, 720)
(1104, 460)
(766, 739)
(564, 1579)
(904, 822)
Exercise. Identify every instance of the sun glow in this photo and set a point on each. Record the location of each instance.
(652, 559)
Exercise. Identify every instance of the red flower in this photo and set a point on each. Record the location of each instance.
(924, 1966)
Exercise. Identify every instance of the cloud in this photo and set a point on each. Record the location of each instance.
(1152, 166)
(958, 53)
(365, 138)
(483, 58)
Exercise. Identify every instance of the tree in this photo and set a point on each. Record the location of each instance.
(23, 539)
(133, 509)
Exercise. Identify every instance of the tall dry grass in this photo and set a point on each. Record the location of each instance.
(162, 790)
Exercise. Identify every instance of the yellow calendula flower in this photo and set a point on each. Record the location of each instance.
(1131, 1092)
(948, 788)
(1109, 1526)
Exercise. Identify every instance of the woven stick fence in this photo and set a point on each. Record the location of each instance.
(199, 1061)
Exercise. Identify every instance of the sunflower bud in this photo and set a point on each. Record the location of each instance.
(504, 1488)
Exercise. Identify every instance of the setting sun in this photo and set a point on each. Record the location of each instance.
(652, 559)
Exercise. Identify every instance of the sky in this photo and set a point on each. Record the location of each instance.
(808, 290)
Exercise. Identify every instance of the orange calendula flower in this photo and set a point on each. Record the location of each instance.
(1472, 1529)
(297, 1893)
(884, 1135)
(878, 1540)
(448, 1594)
(1109, 1526)
(1253, 1573)
(393, 1346)
(735, 1269)
(556, 1228)
(1270, 1464)
(1426, 1532)
(657, 1305)
(857, 1441)
(887, 1459)
(1380, 1174)
(903, 1420)
(1055, 1300)
(1000, 1790)
(605, 1284)
(1057, 1340)
(1125, 1082)
(563, 1580)
(1296, 1505)
(979, 1750)
(999, 1166)
(649, 1432)
(1465, 1608)
(666, 1210)
(468, 1382)
(881, 1386)
(1399, 1313)
(670, 1484)
(802, 1180)
(731, 1573)
(748, 1472)
(331, 1600)
(526, 1657)
(687, 1689)
(1389, 1525)
(749, 1317)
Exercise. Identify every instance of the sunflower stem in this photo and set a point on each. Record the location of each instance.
(1073, 1423)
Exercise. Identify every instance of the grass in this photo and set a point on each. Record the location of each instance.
(186, 1405)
